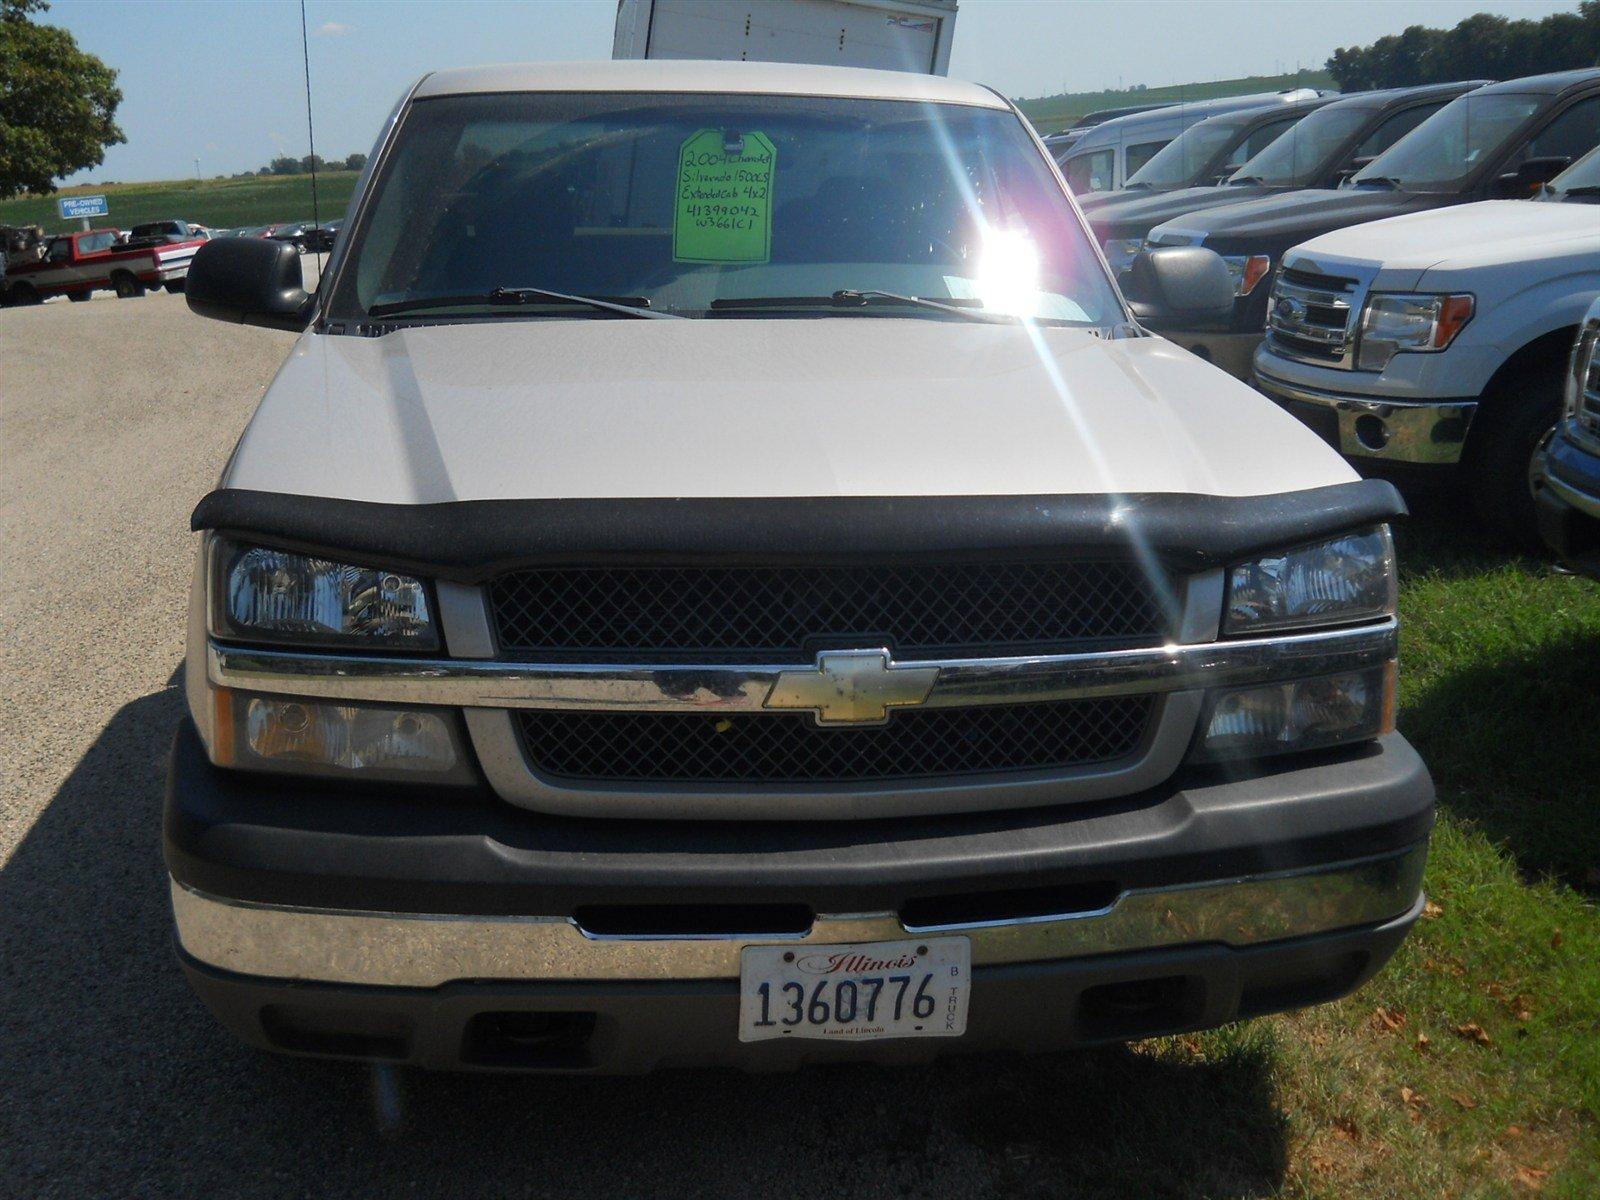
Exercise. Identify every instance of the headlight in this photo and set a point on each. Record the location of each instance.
(1120, 252)
(259, 594)
(1247, 270)
(1301, 714)
(379, 742)
(1395, 322)
(1350, 578)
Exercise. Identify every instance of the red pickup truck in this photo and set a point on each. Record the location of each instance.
(76, 264)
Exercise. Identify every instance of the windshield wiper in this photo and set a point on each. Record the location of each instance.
(627, 306)
(1381, 180)
(1582, 189)
(858, 298)
(1237, 180)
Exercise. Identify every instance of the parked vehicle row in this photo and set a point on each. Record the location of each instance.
(1336, 138)
(1497, 142)
(1420, 314)
(154, 254)
(1106, 156)
(76, 265)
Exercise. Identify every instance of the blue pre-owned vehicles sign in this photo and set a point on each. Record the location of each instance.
(72, 207)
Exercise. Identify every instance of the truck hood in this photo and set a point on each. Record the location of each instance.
(858, 406)
(1489, 233)
(1272, 224)
(1134, 214)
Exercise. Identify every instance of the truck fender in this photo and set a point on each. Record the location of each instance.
(1528, 326)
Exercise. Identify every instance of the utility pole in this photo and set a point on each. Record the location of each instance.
(197, 168)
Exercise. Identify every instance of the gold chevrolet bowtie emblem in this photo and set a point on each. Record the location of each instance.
(852, 687)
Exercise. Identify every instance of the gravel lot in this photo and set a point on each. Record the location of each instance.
(115, 417)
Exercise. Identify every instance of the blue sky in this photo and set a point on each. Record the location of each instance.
(221, 79)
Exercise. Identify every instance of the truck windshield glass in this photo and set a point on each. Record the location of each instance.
(1300, 156)
(1441, 153)
(1181, 158)
(678, 201)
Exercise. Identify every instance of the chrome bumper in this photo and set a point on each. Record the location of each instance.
(423, 950)
(1588, 505)
(1395, 431)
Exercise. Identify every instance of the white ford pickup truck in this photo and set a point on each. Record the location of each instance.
(1440, 340)
(723, 577)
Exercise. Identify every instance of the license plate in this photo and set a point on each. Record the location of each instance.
(855, 993)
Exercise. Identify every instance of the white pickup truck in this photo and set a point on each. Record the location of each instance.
(722, 577)
(1439, 340)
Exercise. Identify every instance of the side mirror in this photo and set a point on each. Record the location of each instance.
(249, 281)
(1180, 287)
(1349, 170)
(1531, 174)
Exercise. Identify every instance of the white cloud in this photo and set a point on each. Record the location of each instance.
(334, 29)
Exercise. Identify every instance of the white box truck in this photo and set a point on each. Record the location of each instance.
(899, 35)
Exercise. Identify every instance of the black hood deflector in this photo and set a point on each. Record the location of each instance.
(471, 540)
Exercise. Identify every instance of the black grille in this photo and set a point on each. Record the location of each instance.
(1322, 283)
(1307, 347)
(782, 613)
(758, 748)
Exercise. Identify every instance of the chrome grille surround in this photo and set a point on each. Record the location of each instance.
(1313, 316)
(1584, 417)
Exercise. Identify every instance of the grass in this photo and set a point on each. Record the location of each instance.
(222, 203)
(1050, 113)
(1470, 1067)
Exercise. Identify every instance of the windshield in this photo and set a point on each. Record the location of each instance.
(1300, 156)
(1582, 176)
(691, 203)
(1439, 154)
(1182, 159)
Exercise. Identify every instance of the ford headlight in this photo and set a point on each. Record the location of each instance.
(278, 596)
(1247, 270)
(1120, 252)
(1396, 322)
(1336, 582)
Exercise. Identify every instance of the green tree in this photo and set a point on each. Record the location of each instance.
(354, 162)
(1483, 46)
(284, 165)
(58, 105)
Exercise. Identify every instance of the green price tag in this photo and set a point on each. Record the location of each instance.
(724, 208)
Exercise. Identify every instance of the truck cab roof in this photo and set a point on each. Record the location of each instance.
(693, 75)
(1553, 84)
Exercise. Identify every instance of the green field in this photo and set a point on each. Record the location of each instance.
(1050, 113)
(220, 203)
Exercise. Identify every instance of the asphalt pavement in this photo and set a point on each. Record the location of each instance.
(115, 417)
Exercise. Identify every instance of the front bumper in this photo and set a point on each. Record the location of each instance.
(383, 925)
(1568, 505)
(1424, 434)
